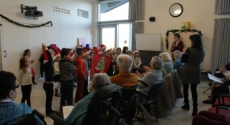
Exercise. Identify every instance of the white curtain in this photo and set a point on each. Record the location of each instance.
(222, 7)
(136, 9)
(137, 27)
(221, 43)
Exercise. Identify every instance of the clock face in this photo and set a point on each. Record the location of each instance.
(176, 10)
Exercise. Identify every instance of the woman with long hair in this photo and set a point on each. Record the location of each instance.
(191, 74)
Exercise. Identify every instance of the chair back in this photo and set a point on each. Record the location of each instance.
(152, 95)
(128, 99)
(97, 112)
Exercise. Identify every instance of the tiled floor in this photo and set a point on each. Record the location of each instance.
(175, 117)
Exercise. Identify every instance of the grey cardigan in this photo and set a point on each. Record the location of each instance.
(151, 78)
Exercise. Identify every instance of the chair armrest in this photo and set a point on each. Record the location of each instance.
(59, 120)
(40, 116)
(146, 85)
(221, 107)
(225, 95)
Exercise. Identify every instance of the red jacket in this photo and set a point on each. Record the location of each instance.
(179, 46)
(80, 65)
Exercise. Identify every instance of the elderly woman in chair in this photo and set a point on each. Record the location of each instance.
(152, 76)
(10, 112)
(78, 113)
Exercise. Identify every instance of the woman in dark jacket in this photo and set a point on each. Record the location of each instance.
(192, 57)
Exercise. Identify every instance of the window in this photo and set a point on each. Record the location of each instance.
(111, 11)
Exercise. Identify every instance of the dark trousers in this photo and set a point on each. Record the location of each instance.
(85, 93)
(49, 96)
(209, 118)
(217, 91)
(67, 92)
(194, 94)
(26, 91)
(80, 89)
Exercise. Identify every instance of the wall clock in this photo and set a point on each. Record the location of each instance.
(176, 10)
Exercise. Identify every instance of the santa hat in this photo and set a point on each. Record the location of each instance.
(102, 46)
(135, 51)
(96, 50)
(71, 52)
(45, 55)
(86, 52)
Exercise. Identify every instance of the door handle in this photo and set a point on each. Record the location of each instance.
(5, 53)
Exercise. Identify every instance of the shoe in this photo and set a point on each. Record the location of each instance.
(194, 112)
(50, 113)
(185, 107)
(207, 102)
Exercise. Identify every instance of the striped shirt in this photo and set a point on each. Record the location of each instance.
(67, 71)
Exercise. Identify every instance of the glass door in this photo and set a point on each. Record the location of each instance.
(108, 36)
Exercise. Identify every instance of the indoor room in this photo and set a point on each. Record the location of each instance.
(114, 62)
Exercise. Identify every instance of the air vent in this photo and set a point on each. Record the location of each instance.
(82, 13)
(61, 10)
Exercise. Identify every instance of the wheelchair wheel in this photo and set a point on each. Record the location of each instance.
(142, 116)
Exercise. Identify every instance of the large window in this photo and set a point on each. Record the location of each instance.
(114, 36)
(111, 11)
(115, 27)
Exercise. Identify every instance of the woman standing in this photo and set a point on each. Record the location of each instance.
(177, 44)
(192, 57)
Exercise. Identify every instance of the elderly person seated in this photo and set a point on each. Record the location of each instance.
(221, 89)
(125, 78)
(10, 112)
(168, 66)
(154, 76)
(78, 113)
(177, 56)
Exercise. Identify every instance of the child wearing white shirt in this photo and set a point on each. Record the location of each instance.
(24, 79)
(57, 74)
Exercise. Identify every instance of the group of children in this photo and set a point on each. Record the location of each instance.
(67, 70)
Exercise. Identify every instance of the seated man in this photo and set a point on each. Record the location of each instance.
(78, 113)
(177, 56)
(11, 113)
(221, 89)
(151, 77)
(125, 78)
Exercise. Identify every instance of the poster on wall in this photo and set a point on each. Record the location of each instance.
(82, 41)
(100, 64)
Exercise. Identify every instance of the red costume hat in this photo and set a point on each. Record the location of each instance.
(86, 52)
(102, 46)
(96, 50)
(45, 55)
(135, 51)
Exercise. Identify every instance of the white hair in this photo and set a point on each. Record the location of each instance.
(157, 62)
(165, 56)
(125, 62)
(177, 53)
(100, 80)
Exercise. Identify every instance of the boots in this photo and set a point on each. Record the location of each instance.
(56, 93)
(195, 110)
(186, 105)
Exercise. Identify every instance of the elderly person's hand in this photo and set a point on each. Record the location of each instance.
(137, 73)
(146, 68)
(222, 69)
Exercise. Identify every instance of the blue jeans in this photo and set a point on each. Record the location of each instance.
(67, 92)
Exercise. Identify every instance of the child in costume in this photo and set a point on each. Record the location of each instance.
(86, 57)
(136, 61)
(57, 74)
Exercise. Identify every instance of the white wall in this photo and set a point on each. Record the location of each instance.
(66, 28)
(199, 12)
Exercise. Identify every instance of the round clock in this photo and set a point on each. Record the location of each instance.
(176, 10)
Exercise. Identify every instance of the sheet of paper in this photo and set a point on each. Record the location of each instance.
(212, 77)
(67, 110)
